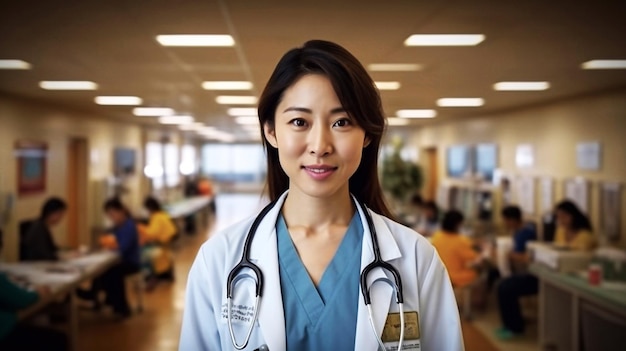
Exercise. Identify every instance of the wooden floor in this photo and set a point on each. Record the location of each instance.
(158, 327)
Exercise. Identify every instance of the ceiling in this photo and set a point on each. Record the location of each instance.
(113, 44)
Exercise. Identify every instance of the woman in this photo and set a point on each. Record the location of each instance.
(124, 240)
(429, 222)
(322, 126)
(38, 243)
(156, 256)
(456, 250)
(573, 227)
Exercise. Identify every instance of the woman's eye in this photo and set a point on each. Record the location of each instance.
(298, 122)
(344, 122)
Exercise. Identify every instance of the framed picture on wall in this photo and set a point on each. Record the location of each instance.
(31, 167)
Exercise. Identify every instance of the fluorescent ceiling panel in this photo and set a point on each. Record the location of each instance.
(14, 64)
(227, 85)
(460, 102)
(387, 85)
(68, 85)
(444, 40)
(604, 64)
(203, 40)
(152, 111)
(118, 100)
(416, 113)
(236, 100)
(394, 121)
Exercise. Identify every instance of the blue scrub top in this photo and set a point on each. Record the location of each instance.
(323, 317)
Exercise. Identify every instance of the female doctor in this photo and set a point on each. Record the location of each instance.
(322, 124)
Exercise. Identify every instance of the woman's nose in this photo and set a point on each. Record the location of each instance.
(320, 141)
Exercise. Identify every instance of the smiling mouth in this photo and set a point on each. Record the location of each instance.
(319, 169)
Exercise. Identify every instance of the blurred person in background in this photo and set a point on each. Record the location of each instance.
(429, 220)
(155, 239)
(15, 336)
(574, 229)
(38, 243)
(456, 250)
(125, 240)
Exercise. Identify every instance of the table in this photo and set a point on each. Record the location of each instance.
(187, 207)
(574, 315)
(62, 277)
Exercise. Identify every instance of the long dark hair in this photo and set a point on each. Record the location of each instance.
(579, 220)
(358, 96)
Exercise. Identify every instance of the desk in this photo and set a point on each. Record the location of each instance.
(63, 278)
(576, 316)
(187, 207)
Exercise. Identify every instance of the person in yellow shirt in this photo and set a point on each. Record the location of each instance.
(573, 228)
(455, 250)
(155, 239)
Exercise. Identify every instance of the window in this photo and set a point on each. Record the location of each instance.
(154, 164)
(234, 162)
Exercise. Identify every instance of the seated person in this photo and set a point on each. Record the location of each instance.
(156, 256)
(38, 244)
(14, 336)
(573, 230)
(429, 220)
(456, 250)
(125, 240)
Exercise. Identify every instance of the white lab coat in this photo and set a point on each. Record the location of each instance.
(426, 285)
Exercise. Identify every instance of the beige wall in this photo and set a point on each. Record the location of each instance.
(553, 130)
(25, 120)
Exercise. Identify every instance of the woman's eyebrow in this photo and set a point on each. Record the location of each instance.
(309, 111)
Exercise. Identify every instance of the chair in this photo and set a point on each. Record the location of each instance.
(136, 281)
(23, 230)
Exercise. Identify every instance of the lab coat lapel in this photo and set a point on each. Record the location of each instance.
(264, 252)
(381, 293)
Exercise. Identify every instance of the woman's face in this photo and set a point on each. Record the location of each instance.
(563, 219)
(319, 145)
(116, 216)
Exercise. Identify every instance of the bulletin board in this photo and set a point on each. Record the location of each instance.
(31, 159)
(525, 193)
(577, 190)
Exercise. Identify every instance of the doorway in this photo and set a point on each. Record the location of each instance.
(432, 173)
(77, 168)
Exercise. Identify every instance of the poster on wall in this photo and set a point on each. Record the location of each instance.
(525, 194)
(588, 155)
(31, 167)
(611, 209)
(524, 156)
(547, 194)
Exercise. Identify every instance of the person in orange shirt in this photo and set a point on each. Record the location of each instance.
(455, 250)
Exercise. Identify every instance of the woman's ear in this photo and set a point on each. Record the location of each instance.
(270, 135)
(367, 142)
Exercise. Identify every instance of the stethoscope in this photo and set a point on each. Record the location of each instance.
(376, 263)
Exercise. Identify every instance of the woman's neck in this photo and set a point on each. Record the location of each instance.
(317, 214)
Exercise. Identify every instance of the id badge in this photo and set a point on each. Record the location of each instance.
(391, 332)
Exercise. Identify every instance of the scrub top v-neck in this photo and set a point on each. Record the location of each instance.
(322, 317)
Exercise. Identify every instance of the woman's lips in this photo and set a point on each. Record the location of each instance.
(319, 172)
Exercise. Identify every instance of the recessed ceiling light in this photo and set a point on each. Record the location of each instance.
(604, 64)
(417, 113)
(227, 85)
(118, 100)
(176, 119)
(152, 111)
(250, 120)
(236, 100)
(242, 111)
(14, 64)
(444, 39)
(196, 40)
(395, 121)
(68, 85)
(521, 86)
(460, 102)
(394, 67)
(387, 85)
